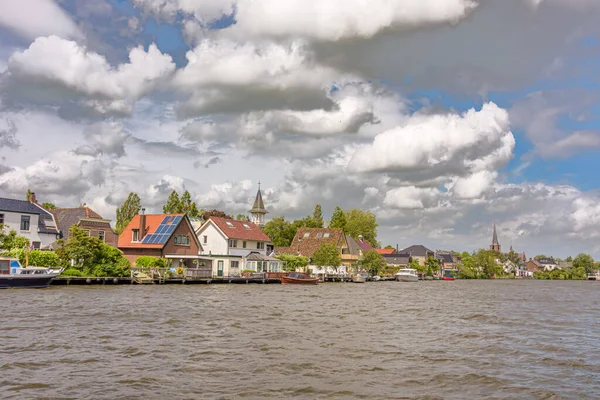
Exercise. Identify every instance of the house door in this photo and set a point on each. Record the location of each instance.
(220, 268)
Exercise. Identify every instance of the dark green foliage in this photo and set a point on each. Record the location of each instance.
(584, 261)
(10, 240)
(373, 262)
(293, 262)
(127, 211)
(327, 255)
(149, 261)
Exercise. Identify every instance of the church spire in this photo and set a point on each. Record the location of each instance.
(258, 211)
(495, 246)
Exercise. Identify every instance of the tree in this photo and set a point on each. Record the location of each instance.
(373, 262)
(569, 259)
(127, 211)
(28, 195)
(48, 206)
(540, 256)
(484, 262)
(513, 257)
(280, 231)
(338, 219)
(317, 217)
(187, 206)
(414, 264)
(215, 213)
(292, 262)
(390, 247)
(584, 261)
(327, 255)
(361, 223)
(11, 240)
(432, 264)
(242, 217)
(173, 205)
(150, 261)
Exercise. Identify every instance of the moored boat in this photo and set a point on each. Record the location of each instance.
(14, 275)
(358, 278)
(407, 275)
(448, 276)
(299, 278)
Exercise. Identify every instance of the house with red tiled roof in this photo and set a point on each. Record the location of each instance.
(235, 246)
(385, 251)
(168, 236)
(87, 219)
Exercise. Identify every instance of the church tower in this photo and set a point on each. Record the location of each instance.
(495, 246)
(258, 211)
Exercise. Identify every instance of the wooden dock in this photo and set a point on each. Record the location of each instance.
(77, 280)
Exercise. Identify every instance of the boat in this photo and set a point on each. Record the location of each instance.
(14, 275)
(298, 278)
(375, 278)
(448, 276)
(407, 275)
(358, 278)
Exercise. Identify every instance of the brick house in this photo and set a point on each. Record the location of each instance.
(87, 219)
(168, 236)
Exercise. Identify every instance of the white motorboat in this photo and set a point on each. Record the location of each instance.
(358, 278)
(407, 275)
(13, 275)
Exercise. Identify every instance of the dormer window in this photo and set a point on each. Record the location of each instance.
(229, 224)
(319, 235)
(307, 234)
(247, 227)
(326, 235)
(135, 235)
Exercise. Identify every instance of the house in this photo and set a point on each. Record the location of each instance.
(169, 236)
(87, 219)
(419, 253)
(397, 260)
(548, 264)
(448, 261)
(308, 240)
(31, 220)
(229, 244)
(365, 246)
(385, 251)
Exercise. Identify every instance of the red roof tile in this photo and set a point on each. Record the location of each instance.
(385, 251)
(240, 229)
(152, 223)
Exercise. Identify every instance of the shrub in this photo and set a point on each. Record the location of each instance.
(71, 272)
(150, 261)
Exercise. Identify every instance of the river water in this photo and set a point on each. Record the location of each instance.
(378, 340)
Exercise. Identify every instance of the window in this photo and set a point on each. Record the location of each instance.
(101, 236)
(260, 245)
(326, 235)
(25, 219)
(319, 235)
(135, 235)
(36, 245)
(182, 240)
(229, 224)
(244, 244)
(247, 226)
(205, 239)
(235, 264)
(232, 243)
(307, 234)
(1, 219)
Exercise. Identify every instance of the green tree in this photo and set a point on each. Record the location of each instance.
(215, 213)
(327, 255)
(280, 231)
(373, 262)
(569, 259)
(389, 246)
(414, 264)
(127, 211)
(10, 240)
(48, 206)
(173, 205)
(584, 261)
(187, 206)
(484, 261)
(28, 195)
(540, 256)
(242, 217)
(317, 217)
(513, 257)
(338, 219)
(361, 223)
(150, 261)
(432, 264)
(292, 262)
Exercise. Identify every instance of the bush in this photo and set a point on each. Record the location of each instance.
(71, 272)
(150, 261)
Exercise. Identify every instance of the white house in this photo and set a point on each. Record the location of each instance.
(30, 220)
(235, 246)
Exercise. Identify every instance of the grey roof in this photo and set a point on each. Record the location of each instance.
(445, 257)
(353, 246)
(495, 236)
(25, 207)
(547, 261)
(254, 256)
(417, 250)
(397, 259)
(259, 205)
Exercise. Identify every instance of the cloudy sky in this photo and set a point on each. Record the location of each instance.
(440, 116)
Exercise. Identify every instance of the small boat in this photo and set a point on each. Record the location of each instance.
(298, 278)
(448, 276)
(358, 278)
(375, 278)
(407, 275)
(14, 275)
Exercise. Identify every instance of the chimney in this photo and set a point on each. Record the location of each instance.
(142, 224)
(32, 198)
(360, 237)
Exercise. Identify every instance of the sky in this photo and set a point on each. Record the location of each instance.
(442, 117)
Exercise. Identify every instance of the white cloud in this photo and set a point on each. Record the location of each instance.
(203, 10)
(53, 60)
(33, 18)
(408, 197)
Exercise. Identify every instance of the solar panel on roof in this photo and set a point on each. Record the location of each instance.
(146, 239)
(177, 219)
(165, 219)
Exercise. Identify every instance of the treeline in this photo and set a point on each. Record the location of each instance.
(353, 222)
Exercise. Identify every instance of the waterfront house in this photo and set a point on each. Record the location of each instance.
(401, 260)
(169, 236)
(29, 219)
(418, 252)
(229, 243)
(548, 264)
(87, 219)
(448, 261)
(308, 240)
